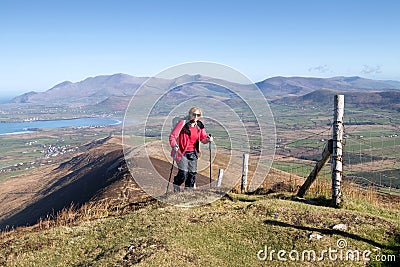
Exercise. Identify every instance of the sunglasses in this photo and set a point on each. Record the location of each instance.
(196, 114)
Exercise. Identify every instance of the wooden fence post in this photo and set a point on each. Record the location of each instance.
(337, 153)
(219, 179)
(245, 169)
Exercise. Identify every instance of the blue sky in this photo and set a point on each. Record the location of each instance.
(43, 43)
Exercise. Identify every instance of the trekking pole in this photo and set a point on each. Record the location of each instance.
(170, 173)
(209, 146)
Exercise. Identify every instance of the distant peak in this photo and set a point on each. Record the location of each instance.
(62, 84)
(120, 75)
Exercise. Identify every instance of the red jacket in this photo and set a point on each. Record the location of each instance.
(178, 136)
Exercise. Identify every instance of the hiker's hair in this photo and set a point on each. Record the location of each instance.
(195, 110)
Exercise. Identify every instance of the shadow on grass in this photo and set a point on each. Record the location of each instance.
(317, 201)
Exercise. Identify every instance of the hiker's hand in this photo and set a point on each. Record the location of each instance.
(210, 139)
(176, 148)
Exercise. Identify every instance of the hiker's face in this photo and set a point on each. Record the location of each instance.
(195, 116)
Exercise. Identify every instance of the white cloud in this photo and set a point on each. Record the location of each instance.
(371, 69)
(320, 69)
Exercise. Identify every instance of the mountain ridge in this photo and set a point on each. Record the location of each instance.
(88, 91)
(275, 86)
(97, 89)
(385, 99)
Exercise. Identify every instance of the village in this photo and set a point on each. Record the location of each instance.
(47, 152)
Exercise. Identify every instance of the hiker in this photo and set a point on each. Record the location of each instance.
(185, 141)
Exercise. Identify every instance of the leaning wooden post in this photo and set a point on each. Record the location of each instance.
(337, 152)
(245, 168)
(317, 168)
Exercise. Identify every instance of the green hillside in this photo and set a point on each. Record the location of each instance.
(228, 232)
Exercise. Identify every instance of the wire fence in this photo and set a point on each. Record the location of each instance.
(372, 155)
(371, 147)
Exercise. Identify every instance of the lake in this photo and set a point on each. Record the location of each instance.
(27, 127)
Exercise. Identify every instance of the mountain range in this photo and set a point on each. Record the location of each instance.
(278, 86)
(114, 91)
(86, 92)
(324, 97)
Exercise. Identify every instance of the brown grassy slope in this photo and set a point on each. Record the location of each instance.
(54, 187)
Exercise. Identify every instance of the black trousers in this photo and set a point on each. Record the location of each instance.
(187, 170)
(184, 176)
